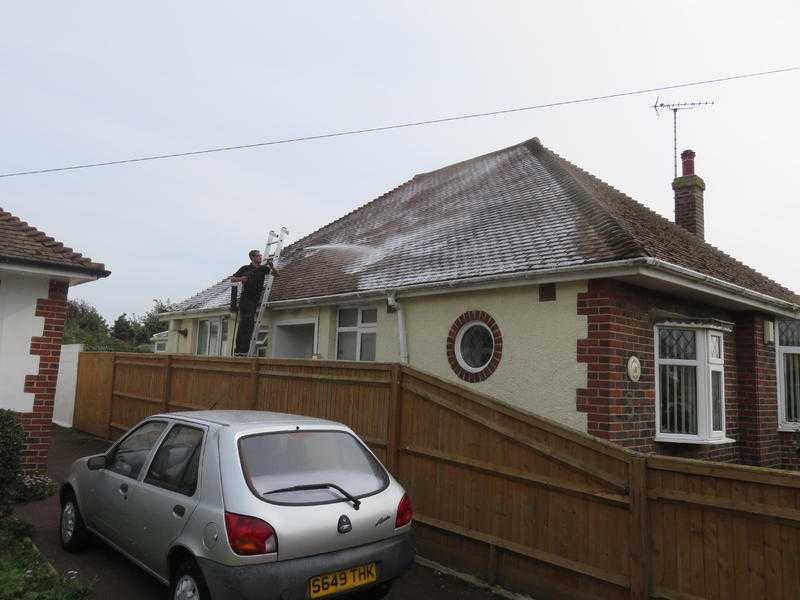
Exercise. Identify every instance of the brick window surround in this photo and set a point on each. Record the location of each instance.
(42, 385)
(497, 353)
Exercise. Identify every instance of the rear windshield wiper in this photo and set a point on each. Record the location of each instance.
(318, 486)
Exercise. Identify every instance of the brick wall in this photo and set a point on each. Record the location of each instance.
(621, 318)
(47, 347)
(758, 416)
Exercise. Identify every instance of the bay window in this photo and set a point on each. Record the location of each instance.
(690, 385)
(356, 334)
(787, 352)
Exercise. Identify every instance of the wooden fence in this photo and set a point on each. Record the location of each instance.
(513, 499)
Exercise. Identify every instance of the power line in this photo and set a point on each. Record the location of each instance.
(399, 125)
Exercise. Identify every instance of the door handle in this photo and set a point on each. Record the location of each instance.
(178, 510)
(123, 488)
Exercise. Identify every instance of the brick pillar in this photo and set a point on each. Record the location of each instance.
(47, 347)
(758, 394)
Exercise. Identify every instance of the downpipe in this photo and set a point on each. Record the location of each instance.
(391, 301)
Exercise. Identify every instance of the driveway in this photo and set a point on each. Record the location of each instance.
(113, 576)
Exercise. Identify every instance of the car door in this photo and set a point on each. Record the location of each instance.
(167, 496)
(116, 484)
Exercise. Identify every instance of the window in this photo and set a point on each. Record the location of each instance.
(690, 385)
(474, 346)
(161, 347)
(356, 333)
(788, 356)
(132, 452)
(212, 335)
(176, 462)
(275, 461)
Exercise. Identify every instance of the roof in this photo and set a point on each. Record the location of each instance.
(216, 297)
(23, 244)
(518, 210)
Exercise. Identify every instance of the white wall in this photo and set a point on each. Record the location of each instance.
(64, 405)
(18, 323)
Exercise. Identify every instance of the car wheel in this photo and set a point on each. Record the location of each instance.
(74, 535)
(188, 583)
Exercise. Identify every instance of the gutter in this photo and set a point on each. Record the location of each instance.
(391, 300)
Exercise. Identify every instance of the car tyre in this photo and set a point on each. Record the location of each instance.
(188, 583)
(72, 530)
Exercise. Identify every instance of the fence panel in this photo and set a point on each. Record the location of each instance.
(514, 499)
(93, 392)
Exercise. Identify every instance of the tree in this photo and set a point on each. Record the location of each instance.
(124, 329)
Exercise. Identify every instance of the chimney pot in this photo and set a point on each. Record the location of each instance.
(687, 162)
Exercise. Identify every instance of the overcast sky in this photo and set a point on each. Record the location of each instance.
(94, 81)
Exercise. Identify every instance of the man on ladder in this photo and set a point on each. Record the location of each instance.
(251, 276)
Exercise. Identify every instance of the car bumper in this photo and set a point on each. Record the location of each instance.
(288, 580)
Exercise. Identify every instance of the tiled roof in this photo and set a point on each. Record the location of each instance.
(520, 209)
(216, 297)
(22, 244)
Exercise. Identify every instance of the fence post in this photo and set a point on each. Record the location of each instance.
(111, 394)
(254, 381)
(167, 381)
(639, 530)
(393, 425)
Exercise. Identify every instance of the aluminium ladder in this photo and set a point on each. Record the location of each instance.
(273, 239)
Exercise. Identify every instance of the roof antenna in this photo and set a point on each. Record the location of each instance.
(675, 108)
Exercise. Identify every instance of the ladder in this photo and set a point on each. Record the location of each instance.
(273, 239)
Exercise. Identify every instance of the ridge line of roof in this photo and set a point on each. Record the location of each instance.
(567, 168)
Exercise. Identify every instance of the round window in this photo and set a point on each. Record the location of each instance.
(474, 346)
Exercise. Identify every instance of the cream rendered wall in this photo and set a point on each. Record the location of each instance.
(178, 344)
(538, 371)
(18, 323)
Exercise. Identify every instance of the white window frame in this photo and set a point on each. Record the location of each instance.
(704, 365)
(780, 353)
(457, 346)
(217, 350)
(360, 328)
(308, 321)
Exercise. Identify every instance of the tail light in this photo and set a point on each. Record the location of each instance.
(404, 512)
(249, 535)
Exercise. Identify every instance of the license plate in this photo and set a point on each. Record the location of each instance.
(346, 579)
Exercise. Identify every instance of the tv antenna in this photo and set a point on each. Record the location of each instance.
(675, 107)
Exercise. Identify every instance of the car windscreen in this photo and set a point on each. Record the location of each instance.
(274, 461)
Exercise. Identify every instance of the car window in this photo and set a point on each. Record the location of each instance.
(175, 464)
(275, 461)
(131, 454)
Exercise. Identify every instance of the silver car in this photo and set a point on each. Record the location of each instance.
(244, 505)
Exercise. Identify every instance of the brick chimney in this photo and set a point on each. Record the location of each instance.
(689, 197)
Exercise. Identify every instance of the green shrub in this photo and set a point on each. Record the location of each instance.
(34, 486)
(12, 441)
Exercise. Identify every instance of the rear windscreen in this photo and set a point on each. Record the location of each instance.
(273, 461)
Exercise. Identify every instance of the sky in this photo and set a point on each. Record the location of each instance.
(96, 81)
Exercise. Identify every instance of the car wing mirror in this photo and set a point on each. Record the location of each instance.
(97, 462)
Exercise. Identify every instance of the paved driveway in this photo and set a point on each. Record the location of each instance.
(113, 576)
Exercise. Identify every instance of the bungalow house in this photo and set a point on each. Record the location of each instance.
(522, 276)
(36, 272)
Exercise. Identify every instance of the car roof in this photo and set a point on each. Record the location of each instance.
(247, 418)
